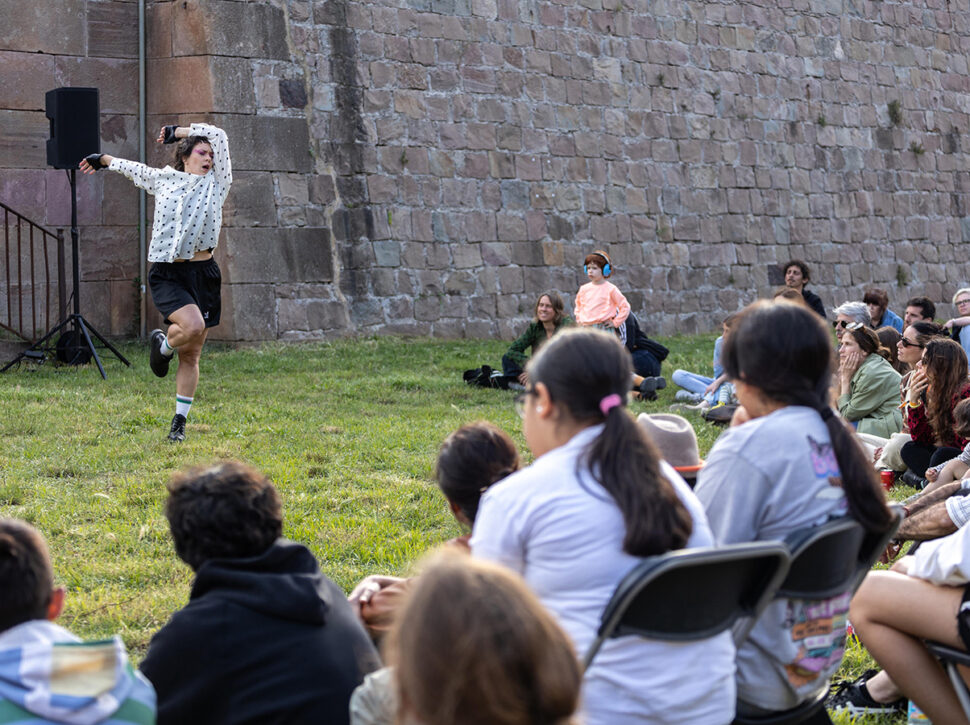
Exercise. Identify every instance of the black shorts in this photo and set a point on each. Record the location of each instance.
(963, 618)
(177, 284)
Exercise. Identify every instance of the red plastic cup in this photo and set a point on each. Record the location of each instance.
(887, 479)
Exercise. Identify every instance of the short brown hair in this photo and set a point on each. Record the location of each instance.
(26, 577)
(473, 645)
(876, 296)
(806, 275)
(226, 511)
(184, 149)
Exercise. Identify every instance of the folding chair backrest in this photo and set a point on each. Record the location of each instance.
(693, 594)
(833, 558)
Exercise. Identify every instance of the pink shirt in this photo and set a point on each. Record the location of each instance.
(597, 303)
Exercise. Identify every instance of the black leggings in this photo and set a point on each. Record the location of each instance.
(920, 456)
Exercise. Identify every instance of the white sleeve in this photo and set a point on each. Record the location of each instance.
(496, 535)
(144, 177)
(945, 560)
(221, 165)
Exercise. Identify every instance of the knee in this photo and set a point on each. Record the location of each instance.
(190, 353)
(194, 328)
(867, 599)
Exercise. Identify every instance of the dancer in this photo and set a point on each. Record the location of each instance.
(184, 278)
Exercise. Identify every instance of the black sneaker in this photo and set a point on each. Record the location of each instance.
(177, 434)
(852, 697)
(650, 385)
(157, 361)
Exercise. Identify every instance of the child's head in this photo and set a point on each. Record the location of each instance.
(961, 419)
(728, 324)
(600, 260)
(26, 579)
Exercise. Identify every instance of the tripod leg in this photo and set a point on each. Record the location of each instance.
(83, 326)
(104, 342)
(37, 345)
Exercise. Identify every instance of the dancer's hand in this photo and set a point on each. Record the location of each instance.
(93, 163)
(169, 134)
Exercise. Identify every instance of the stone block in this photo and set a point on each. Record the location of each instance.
(105, 35)
(219, 85)
(250, 202)
(23, 143)
(54, 26)
(267, 256)
(158, 21)
(268, 143)
(109, 253)
(25, 191)
(117, 80)
(225, 28)
(26, 78)
(59, 200)
(248, 313)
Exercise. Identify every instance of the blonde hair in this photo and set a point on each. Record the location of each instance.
(473, 645)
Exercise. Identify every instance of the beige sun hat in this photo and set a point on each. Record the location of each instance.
(676, 439)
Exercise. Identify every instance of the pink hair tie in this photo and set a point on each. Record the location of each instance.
(609, 402)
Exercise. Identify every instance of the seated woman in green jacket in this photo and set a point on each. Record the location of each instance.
(549, 319)
(869, 396)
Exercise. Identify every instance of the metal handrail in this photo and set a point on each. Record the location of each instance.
(38, 240)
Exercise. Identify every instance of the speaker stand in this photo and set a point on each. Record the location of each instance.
(77, 352)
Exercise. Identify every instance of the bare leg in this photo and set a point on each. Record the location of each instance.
(187, 333)
(882, 689)
(892, 613)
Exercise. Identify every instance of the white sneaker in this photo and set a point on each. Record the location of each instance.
(685, 396)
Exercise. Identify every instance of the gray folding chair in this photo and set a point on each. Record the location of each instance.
(692, 594)
(826, 561)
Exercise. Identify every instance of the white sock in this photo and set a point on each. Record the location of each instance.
(182, 405)
(167, 350)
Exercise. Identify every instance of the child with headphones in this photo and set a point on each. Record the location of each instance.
(599, 302)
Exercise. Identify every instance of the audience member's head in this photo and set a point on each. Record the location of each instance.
(789, 294)
(865, 339)
(797, 274)
(961, 302)
(914, 339)
(600, 259)
(549, 302)
(961, 419)
(727, 324)
(781, 355)
(919, 309)
(470, 460)
(26, 579)
(889, 338)
(225, 511)
(474, 645)
(876, 300)
(849, 312)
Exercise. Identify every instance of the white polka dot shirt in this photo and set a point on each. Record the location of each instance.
(188, 207)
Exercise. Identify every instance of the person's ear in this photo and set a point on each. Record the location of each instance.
(544, 404)
(56, 604)
(458, 514)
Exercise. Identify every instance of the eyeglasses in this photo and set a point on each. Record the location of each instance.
(842, 324)
(906, 343)
(961, 303)
(519, 402)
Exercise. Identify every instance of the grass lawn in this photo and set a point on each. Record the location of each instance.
(348, 431)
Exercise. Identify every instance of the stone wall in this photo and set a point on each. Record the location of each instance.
(430, 166)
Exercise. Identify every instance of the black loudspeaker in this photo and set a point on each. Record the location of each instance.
(75, 119)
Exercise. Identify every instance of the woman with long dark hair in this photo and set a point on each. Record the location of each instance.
(938, 383)
(598, 498)
(793, 464)
(184, 279)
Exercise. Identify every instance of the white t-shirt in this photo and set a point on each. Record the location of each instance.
(762, 481)
(188, 207)
(558, 528)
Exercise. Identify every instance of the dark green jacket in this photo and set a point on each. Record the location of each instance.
(534, 337)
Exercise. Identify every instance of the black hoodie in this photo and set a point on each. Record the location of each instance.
(263, 640)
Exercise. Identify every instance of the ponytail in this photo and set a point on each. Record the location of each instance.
(785, 351)
(588, 373)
